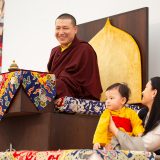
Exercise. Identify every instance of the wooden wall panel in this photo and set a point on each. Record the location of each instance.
(133, 22)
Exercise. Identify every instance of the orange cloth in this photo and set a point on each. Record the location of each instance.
(128, 122)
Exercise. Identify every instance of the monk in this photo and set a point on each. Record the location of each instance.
(74, 62)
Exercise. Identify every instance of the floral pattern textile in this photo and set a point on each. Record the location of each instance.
(39, 86)
(9, 84)
(81, 154)
(83, 106)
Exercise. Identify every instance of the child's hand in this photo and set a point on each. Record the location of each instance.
(96, 146)
(108, 147)
(140, 134)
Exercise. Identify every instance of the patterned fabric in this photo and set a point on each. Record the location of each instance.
(40, 87)
(9, 84)
(82, 106)
(82, 154)
(135, 107)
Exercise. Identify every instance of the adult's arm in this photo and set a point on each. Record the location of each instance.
(127, 142)
(148, 142)
(152, 139)
(124, 141)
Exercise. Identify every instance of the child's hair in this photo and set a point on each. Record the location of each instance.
(123, 89)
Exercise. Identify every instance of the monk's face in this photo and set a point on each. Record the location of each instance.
(65, 31)
(148, 95)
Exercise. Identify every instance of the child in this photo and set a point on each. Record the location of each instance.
(125, 118)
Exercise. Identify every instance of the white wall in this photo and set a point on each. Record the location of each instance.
(29, 28)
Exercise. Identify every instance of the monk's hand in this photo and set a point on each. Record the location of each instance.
(112, 127)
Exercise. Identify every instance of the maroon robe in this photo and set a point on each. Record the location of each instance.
(76, 71)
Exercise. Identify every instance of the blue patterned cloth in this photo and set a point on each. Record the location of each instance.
(83, 106)
(88, 154)
(11, 82)
(39, 86)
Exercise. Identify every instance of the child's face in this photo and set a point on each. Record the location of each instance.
(114, 100)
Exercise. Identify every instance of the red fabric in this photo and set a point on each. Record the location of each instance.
(123, 123)
(0, 60)
(76, 71)
(33, 155)
(59, 102)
